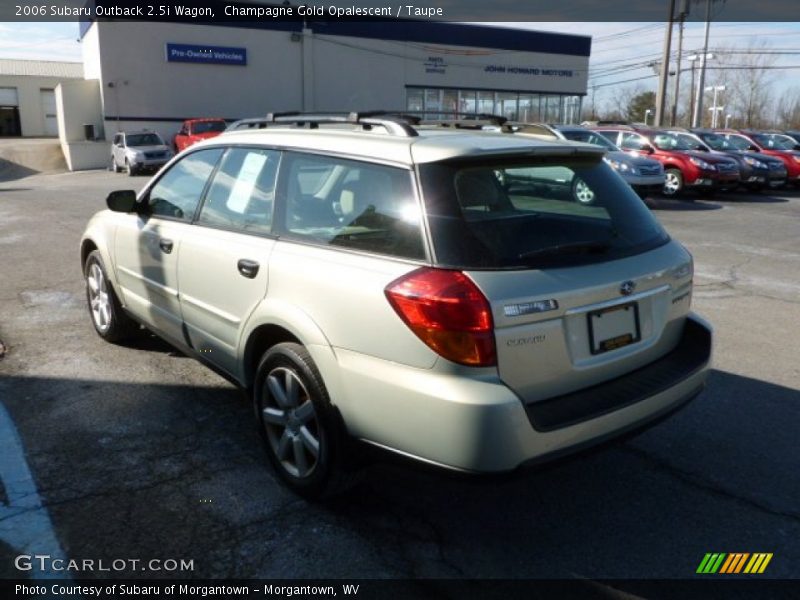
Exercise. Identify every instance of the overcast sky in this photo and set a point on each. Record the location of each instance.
(620, 51)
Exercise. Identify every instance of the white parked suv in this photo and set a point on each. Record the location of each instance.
(435, 292)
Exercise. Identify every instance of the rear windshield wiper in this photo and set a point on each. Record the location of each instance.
(586, 247)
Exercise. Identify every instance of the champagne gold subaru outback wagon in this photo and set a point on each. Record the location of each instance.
(454, 296)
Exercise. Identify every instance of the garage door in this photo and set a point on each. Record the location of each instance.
(8, 96)
(9, 112)
(49, 109)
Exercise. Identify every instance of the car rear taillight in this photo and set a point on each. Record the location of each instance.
(448, 312)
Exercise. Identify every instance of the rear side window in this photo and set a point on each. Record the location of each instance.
(534, 214)
(352, 204)
(243, 191)
(177, 193)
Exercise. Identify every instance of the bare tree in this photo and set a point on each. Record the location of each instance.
(787, 109)
(748, 81)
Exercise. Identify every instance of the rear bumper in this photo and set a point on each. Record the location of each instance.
(478, 424)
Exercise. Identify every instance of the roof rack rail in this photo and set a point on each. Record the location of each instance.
(393, 123)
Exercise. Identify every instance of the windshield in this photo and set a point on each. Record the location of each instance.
(208, 127)
(670, 141)
(590, 137)
(738, 142)
(717, 142)
(533, 213)
(777, 142)
(692, 142)
(144, 139)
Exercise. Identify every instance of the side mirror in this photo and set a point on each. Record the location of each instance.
(754, 149)
(123, 201)
(648, 148)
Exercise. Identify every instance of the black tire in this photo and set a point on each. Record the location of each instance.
(673, 184)
(290, 426)
(108, 318)
(113, 166)
(129, 169)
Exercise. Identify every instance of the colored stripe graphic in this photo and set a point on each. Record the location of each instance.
(731, 560)
(711, 562)
(758, 563)
(734, 563)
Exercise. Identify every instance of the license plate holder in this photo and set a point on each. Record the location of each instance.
(613, 327)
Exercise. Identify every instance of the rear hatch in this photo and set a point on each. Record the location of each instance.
(584, 284)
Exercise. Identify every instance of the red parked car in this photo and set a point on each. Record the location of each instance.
(777, 145)
(684, 168)
(196, 130)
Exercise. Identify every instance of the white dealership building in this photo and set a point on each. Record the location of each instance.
(154, 74)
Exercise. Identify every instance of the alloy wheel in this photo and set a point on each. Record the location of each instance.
(99, 300)
(290, 421)
(672, 184)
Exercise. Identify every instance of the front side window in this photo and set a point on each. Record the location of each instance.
(738, 142)
(777, 142)
(243, 190)
(717, 142)
(533, 213)
(357, 205)
(177, 193)
(633, 141)
(589, 137)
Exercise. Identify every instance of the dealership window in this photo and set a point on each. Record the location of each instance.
(435, 103)
(486, 102)
(415, 100)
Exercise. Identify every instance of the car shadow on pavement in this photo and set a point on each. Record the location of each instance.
(756, 198)
(178, 471)
(687, 204)
(150, 342)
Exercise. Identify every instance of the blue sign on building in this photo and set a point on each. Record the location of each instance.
(212, 55)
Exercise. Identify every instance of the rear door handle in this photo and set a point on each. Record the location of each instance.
(248, 268)
(165, 245)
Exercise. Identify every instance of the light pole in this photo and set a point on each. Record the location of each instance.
(684, 12)
(714, 108)
(647, 113)
(661, 96)
(698, 104)
(727, 119)
(693, 58)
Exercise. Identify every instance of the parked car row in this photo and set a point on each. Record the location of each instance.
(708, 160)
(138, 151)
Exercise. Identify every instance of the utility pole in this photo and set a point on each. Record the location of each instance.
(662, 81)
(684, 12)
(698, 103)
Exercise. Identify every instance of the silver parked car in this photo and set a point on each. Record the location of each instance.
(138, 151)
(442, 294)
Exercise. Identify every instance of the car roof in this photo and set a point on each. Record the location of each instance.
(429, 145)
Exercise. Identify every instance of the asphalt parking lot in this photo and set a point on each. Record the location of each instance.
(112, 452)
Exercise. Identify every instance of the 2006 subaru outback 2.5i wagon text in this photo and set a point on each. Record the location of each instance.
(435, 292)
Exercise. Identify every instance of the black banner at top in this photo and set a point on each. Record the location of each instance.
(199, 11)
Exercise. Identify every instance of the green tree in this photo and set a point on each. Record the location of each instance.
(640, 103)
